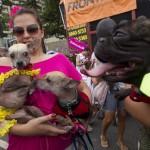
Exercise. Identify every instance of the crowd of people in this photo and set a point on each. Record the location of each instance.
(37, 134)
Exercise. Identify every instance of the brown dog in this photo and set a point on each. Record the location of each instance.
(61, 85)
(69, 99)
(70, 102)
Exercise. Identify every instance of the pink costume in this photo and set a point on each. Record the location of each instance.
(45, 101)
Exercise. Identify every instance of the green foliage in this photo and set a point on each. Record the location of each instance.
(7, 2)
(49, 14)
(31, 4)
(4, 26)
(51, 18)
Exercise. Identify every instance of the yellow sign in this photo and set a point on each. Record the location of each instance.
(83, 11)
(79, 32)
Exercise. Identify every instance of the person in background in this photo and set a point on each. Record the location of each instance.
(36, 134)
(110, 107)
(97, 94)
(81, 58)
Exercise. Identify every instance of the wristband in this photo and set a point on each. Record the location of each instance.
(138, 96)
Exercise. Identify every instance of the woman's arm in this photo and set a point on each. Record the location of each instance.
(139, 111)
(85, 89)
(37, 126)
(5, 61)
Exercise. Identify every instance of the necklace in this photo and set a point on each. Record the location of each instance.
(4, 76)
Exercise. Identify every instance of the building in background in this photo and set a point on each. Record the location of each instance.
(5, 6)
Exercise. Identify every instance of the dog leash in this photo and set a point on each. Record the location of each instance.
(79, 134)
(80, 137)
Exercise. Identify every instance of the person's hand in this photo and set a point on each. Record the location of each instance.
(63, 121)
(38, 126)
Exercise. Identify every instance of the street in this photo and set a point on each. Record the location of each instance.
(131, 135)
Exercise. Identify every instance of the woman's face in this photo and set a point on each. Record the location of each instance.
(26, 29)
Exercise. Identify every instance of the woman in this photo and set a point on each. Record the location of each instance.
(35, 134)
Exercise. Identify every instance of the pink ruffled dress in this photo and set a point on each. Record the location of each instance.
(46, 102)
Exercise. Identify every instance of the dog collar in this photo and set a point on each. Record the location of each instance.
(4, 76)
(68, 106)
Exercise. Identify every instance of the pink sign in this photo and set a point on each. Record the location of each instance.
(76, 45)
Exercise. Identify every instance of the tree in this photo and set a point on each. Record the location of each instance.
(3, 26)
(49, 13)
(6, 2)
(31, 4)
(51, 18)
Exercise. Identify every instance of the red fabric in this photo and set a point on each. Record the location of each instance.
(82, 109)
(139, 98)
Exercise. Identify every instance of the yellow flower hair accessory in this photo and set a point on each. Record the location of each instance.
(5, 125)
(4, 76)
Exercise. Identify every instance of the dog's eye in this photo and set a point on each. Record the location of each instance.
(48, 80)
(25, 54)
(12, 56)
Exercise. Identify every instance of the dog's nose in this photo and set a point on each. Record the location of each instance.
(19, 64)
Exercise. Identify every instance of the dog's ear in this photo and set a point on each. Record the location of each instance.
(3, 52)
(70, 83)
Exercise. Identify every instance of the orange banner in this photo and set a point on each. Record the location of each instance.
(83, 11)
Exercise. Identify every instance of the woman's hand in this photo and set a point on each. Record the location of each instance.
(37, 126)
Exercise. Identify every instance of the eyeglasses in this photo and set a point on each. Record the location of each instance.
(31, 29)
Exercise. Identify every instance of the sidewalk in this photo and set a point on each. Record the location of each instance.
(131, 135)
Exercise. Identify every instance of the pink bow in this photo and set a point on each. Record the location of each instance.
(79, 127)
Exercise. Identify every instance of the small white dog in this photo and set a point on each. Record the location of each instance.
(20, 55)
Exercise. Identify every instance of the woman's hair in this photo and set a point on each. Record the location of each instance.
(34, 14)
(28, 11)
